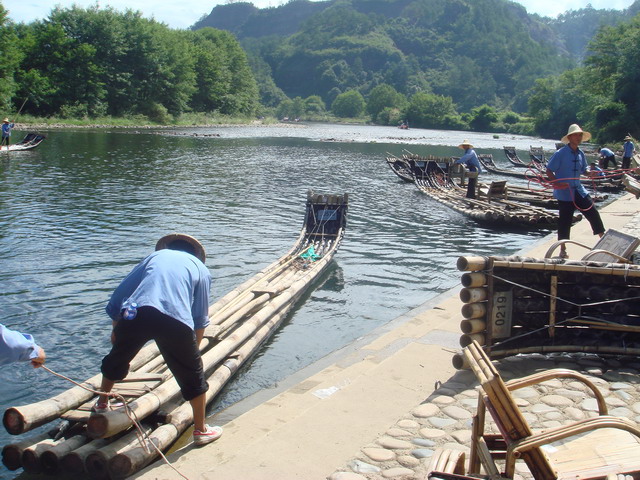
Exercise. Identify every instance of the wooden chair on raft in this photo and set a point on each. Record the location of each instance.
(613, 246)
(587, 449)
(494, 190)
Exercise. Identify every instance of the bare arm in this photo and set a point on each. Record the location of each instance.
(550, 175)
(199, 335)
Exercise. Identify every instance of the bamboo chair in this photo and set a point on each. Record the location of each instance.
(588, 449)
(613, 246)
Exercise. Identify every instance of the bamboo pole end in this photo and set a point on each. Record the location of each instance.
(13, 421)
(97, 425)
(11, 457)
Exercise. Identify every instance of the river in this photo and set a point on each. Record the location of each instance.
(85, 206)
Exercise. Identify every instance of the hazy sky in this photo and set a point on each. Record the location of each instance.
(184, 13)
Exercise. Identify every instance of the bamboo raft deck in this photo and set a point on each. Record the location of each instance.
(105, 445)
(516, 305)
(435, 179)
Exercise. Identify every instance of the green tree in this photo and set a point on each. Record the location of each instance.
(349, 104)
(381, 97)
(10, 57)
(483, 118)
(427, 110)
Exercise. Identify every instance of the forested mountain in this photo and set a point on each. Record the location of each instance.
(84, 63)
(476, 52)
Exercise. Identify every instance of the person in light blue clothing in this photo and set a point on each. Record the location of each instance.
(19, 347)
(470, 160)
(164, 298)
(564, 170)
(607, 156)
(6, 132)
(595, 170)
(628, 149)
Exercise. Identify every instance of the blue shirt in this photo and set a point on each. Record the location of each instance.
(6, 129)
(470, 159)
(567, 166)
(16, 346)
(174, 282)
(605, 152)
(628, 148)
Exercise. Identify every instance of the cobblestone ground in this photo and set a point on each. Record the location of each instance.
(444, 419)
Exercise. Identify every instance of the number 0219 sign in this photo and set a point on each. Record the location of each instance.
(501, 314)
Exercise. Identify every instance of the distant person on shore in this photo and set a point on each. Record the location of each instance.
(470, 160)
(6, 132)
(607, 156)
(564, 169)
(19, 347)
(628, 149)
(164, 298)
(595, 170)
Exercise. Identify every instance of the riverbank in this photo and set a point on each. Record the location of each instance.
(379, 407)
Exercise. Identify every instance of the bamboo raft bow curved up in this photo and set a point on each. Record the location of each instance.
(105, 445)
(436, 180)
(29, 142)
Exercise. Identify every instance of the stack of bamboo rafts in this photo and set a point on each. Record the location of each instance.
(518, 305)
(436, 179)
(106, 445)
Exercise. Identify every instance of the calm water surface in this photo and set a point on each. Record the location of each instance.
(79, 211)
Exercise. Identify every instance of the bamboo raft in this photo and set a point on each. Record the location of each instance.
(514, 159)
(400, 166)
(536, 154)
(516, 305)
(436, 179)
(105, 445)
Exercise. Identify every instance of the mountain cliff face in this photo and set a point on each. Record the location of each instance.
(475, 51)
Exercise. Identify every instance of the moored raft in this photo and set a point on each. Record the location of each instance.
(435, 179)
(515, 305)
(106, 445)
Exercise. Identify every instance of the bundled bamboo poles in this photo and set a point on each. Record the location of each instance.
(434, 178)
(105, 445)
(523, 305)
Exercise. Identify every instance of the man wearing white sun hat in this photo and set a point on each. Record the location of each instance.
(564, 170)
(471, 161)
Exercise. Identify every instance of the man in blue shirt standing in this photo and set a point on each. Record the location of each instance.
(564, 169)
(19, 347)
(607, 156)
(6, 132)
(628, 151)
(164, 298)
(470, 159)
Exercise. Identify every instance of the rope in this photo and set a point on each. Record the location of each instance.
(143, 437)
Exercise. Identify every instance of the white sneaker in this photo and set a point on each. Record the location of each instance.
(210, 434)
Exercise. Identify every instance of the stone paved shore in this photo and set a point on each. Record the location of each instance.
(444, 419)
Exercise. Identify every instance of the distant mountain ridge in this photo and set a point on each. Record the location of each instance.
(477, 52)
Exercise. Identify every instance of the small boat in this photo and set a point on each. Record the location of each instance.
(436, 179)
(29, 142)
(104, 445)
